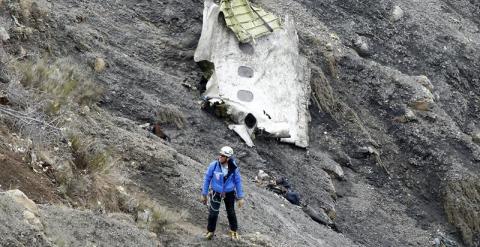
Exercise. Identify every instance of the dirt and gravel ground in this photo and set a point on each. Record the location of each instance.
(398, 111)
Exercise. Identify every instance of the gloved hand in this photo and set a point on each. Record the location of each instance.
(240, 202)
(203, 200)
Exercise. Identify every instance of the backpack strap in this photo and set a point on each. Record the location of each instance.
(231, 170)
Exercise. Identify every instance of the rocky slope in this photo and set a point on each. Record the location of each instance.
(395, 105)
(30, 225)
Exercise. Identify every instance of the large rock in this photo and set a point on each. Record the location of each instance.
(397, 13)
(329, 165)
(20, 198)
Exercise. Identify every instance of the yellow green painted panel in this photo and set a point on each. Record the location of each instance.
(248, 22)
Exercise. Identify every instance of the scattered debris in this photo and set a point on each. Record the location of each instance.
(144, 126)
(368, 150)
(281, 186)
(215, 106)
(441, 240)
(21, 53)
(329, 165)
(476, 137)
(4, 99)
(421, 105)
(4, 34)
(397, 13)
(243, 132)
(156, 129)
(407, 116)
(189, 86)
(424, 81)
(361, 46)
(262, 176)
(99, 65)
(319, 216)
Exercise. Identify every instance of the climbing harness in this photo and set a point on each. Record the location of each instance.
(214, 201)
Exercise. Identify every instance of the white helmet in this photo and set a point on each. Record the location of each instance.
(227, 151)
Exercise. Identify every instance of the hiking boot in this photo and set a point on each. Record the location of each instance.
(233, 235)
(209, 235)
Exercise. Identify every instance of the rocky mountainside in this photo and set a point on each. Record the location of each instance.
(394, 137)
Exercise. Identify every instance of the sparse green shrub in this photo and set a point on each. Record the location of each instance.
(148, 213)
(60, 242)
(159, 218)
(62, 83)
(90, 182)
(169, 114)
(30, 13)
(322, 92)
(93, 191)
(104, 196)
(90, 155)
(63, 172)
(20, 8)
(461, 204)
(332, 65)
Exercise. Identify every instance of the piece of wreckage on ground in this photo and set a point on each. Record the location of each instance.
(255, 73)
(282, 187)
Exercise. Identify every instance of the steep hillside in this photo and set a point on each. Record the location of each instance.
(394, 107)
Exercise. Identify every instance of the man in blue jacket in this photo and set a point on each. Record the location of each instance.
(223, 176)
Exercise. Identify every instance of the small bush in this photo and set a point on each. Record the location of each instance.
(169, 114)
(158, 217)
(28, 12)
(90, 155)
(322, 92)
(148, 214)
(88, 180)
(20, 9)
(93, 191)
(62, 83)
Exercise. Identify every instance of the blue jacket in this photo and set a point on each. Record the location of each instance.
(214, 177)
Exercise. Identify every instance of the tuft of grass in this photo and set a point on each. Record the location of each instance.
(158, 217)
(332, 65)
(28, 12)
(93, 191)
(60, 242)
(323, 92)
(170, 114)
(88, 180)
(62, 83)
(461, 205)
(148, 214)
(20, 8)
(90, 155)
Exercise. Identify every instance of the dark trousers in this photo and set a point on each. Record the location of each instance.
(214, 209)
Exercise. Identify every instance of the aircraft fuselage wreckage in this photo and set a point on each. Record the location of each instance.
(256, 73)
